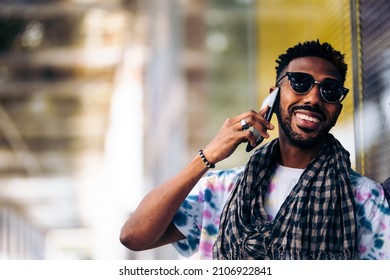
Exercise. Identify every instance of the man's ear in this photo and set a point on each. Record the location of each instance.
(340, 109)
(338, 114)
(272, 89)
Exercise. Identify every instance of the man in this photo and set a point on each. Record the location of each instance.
(297, 198)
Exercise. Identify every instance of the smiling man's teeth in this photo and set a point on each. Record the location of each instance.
(307, 118)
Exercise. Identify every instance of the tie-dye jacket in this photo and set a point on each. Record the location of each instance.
(199, 215)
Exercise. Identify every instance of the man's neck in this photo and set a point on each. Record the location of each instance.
(296, 157)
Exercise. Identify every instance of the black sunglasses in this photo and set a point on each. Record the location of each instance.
(331, 90)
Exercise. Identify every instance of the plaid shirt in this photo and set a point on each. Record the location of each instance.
(199, 216)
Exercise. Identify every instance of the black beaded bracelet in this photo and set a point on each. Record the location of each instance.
(206, 162)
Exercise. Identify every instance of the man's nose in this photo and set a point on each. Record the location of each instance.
(314, 94)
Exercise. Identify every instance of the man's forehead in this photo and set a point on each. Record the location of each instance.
(313, 65)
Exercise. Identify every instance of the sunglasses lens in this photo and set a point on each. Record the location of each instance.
(331, 90)
(300, 82)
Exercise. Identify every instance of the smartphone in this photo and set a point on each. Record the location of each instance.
(271, 101)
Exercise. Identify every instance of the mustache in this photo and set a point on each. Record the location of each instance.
(308, 108)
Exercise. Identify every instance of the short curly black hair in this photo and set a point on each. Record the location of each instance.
(313, 48)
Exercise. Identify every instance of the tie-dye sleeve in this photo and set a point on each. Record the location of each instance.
(188, 220)
(373, 218)
(198, 217)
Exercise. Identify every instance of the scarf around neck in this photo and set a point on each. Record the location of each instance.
(316, 221)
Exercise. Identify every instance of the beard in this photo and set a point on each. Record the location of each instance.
(301, 141)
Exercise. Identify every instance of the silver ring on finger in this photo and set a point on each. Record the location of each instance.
(244, 125)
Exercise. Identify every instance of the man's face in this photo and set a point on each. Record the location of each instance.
(306, 119)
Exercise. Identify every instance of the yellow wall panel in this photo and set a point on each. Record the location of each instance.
(283, 23)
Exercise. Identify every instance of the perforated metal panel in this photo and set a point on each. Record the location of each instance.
(373, 102)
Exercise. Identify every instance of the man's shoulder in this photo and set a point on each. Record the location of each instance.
(226, 173)
(220, 180)
(360, 181)
(366, 189)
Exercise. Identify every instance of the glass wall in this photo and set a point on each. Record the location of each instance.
(59, 65)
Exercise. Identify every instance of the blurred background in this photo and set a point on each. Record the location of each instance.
(100, 101)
